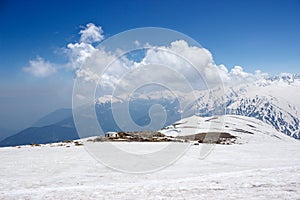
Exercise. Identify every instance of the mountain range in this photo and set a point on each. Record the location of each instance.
(272, 100)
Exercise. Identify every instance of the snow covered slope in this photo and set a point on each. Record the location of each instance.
(266, 166)
(246, 129)
(274, 101)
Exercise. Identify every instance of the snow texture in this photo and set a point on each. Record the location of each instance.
(264, 166)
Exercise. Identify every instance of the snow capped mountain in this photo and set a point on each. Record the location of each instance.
(275, 103)
(273, 100)
(285, 77)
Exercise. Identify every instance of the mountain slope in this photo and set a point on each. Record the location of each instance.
(246, 129)
(54, 117)
(275, 102)
(41, 135)
(65, 128)
(4, 133)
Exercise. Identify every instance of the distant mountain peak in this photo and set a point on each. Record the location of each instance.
(284, 77)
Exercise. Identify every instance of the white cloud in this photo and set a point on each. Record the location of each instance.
(239, 72)
(104, 67)
(237, 75)
(40, 68)
(91, 33)
(190, 61)
(78, 53)
(196, 64)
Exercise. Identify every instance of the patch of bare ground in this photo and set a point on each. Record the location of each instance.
(137, 136)
(211, 137)
(151, 136)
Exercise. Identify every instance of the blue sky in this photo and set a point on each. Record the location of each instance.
(262, 35)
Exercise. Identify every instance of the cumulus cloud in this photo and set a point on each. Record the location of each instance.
(77, 53)
(202, 62)
(91, 33)
(195, 64)
(237, 75)
(40, 68)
